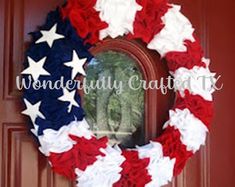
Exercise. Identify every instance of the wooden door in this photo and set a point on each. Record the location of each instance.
(21, 164)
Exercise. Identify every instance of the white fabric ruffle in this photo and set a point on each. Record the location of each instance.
(119, 14)
(160, 168)
(104, 172)
(171, 38)
(58, 141)
(198, 80)
(192, 130)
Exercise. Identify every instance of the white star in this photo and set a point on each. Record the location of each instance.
(36, 68)
(49, 36)
(35, 130)
(32, 111)
(76, 64)
(69, 96)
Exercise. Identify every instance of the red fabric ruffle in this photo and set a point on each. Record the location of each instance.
(188, 59)
(84, 18)
(198, 106)
(134, 173)
(82, 154)
(173, 148)
(148, 20)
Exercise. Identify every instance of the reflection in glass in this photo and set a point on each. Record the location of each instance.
(120, 116)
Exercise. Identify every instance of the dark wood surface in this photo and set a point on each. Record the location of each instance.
(21, 165)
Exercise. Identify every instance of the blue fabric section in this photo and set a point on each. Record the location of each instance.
(55, 111)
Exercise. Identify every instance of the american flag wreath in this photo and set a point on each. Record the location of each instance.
(60, 48)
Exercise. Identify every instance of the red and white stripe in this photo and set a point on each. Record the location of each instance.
(104, 172)
(160, 167)
(171, 38)
(59, 141)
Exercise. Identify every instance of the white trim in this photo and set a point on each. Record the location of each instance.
(59, 141)
(104, 172)
(160, 168)
(192, 130)
(198, 80)
(177, 29)
(119, 14)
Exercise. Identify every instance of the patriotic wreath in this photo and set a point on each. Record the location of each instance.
(61, 48)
